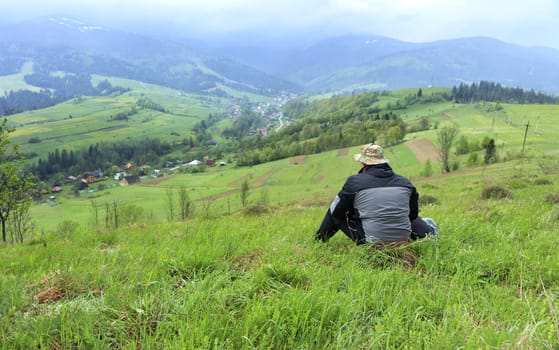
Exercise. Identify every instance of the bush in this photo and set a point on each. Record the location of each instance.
(427, 199)
(34, 140)
(552, 198)
(543, 181)
(67, 228)
(495, 192)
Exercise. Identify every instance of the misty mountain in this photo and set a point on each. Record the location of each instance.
(353, 62)
(61, 44)
(343, 63)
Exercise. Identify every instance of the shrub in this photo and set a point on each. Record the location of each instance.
(552, 198)
(428, 199)
(34, 140)
(495, 192)
(543, 181)
(67, 228)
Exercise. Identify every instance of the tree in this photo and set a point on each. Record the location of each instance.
(14, 184)
(244, 193)
(445, 137)
(490, 152)
(185, 203)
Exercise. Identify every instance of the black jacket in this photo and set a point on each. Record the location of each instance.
(380, 202)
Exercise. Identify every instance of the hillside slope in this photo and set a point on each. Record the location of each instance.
(68, 45)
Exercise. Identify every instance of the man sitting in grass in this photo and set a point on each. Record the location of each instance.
(376, 205)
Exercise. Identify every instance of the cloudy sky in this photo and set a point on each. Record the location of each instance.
(529, 23)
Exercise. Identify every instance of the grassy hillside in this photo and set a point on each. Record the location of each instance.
(260, 281)
(316, 177)
(255, 278)
(84, 121)
(14, 82)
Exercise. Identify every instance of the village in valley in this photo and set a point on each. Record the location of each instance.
(131, 174)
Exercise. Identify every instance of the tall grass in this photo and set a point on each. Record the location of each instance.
(261, 281)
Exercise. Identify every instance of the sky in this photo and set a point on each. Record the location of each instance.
(528, 23)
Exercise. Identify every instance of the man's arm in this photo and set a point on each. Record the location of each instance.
(340, 206)
(414, 204)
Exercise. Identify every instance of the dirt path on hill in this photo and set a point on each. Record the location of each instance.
(260, 181)
(257, 183)
(298, 160)
(424, 150)
(239, 180)
(342, 152)
(158, 180)
(218, 195)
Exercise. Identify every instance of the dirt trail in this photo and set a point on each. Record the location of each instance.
(239, 180)
(260, 181)
(342, 152)
(298, 160)
(424, 150)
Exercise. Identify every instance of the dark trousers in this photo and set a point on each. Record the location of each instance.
(353, 229)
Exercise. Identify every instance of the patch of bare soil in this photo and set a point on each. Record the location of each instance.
(319, 178)
(444, 116)
(260, 181)
(219, 195)
(257, 183)
(50, 294)
(298, 160)
(342, 152)
(239, 180)
(157, 181)
(249, 261)
(424, 150)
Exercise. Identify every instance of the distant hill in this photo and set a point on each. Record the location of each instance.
(349, 63)
(62, 44)
(353, 62)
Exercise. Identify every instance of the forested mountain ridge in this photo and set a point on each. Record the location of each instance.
(58, 44)
(376, 62)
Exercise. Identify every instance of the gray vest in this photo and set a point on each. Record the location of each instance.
(384, 212)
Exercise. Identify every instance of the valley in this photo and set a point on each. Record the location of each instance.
(178, 191)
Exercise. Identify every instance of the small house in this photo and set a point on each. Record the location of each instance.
(129, 180)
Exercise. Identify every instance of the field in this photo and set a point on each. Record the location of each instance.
(14, 82)
(87, 120)
(235, 278)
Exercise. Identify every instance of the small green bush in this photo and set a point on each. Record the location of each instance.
(67, 228)
(543, 181)
(496, 192)
(552, 198)
(427, 199)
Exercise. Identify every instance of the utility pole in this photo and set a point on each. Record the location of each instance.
(525, 133)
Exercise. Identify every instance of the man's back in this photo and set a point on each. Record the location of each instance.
(382, 201)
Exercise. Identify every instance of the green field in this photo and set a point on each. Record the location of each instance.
(14, 82)
(234, 280)
(255, 278)
(84, 121)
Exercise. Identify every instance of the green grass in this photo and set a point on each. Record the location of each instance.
(15, 82)
(84, 121)
(228, 278)
(260, 281)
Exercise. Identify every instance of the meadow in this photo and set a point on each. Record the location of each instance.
(230, 277)
(87, 120)
(260, 280)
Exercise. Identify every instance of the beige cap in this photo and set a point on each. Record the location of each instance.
(371, 154)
